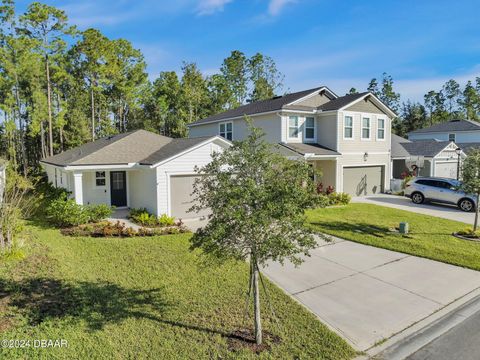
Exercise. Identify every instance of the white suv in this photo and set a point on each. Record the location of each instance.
(439, 190)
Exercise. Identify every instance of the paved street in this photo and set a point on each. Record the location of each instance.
(404, 203)
(460, 342)
(367, 294)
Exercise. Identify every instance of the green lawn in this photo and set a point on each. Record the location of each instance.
(141, 298)
(429, 236)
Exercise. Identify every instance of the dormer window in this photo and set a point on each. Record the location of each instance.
(309, 128)
(293, 127)
(226, 130)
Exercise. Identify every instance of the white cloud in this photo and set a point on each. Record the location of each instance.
(276, 6)
(208, 7)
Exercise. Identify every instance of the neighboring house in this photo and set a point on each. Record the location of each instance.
(434, 157)
(465, 133)
(3, 178)
(138, 169)
(347, 137)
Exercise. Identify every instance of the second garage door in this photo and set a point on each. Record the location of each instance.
(363, 180)
(446, 169)
(181, 199)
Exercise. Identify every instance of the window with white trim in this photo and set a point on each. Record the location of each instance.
(348, 127)
(451, 137)
(381, 129)
(365, 128)
(309, 128)
(293, 127)
(226, 130)
(100, 178)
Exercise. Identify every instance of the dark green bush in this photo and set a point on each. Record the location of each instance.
(99, 212)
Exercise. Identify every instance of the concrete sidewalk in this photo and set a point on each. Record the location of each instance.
(449, 212)
(368, 294)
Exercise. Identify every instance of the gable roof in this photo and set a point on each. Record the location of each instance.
(257, 107)
(342, 101)
(468, 147)
(452, 125)
(427, 148)
(139, 146)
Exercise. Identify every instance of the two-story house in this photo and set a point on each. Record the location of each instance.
(465, 133)
(347, 137)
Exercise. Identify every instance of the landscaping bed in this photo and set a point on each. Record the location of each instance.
(149, 297)
(429, 236)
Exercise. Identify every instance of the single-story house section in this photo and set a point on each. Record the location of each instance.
(138, 169)
(436, 158)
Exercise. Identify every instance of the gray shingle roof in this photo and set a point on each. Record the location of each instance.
(427, 148)
(398, 151)
(452, 125)
(467, 147)
(259, 106)
(342, 101)
(316, 149)
(139, 146)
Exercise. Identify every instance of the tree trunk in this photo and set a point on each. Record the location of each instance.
(256, 305)
(49, 106)
(92, 100)
(23, 150)
(477, 207)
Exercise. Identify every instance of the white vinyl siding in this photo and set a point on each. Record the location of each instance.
(293, 130)
(381, 129)
(366, 128)
(348, 128)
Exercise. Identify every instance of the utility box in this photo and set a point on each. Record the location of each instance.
(403, 228)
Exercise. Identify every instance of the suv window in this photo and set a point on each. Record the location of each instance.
(425, 182)
(443, 184)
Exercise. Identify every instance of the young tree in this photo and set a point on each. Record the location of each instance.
(242, 187)
(471, 179)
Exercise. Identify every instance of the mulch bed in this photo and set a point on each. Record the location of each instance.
(465, 237)
(245, 339)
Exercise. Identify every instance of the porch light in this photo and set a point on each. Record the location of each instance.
(365, 156)
(458, 151)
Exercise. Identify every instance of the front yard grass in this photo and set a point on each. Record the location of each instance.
(139, 298)
(429, 236)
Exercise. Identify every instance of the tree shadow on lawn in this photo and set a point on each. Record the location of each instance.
(97, 303)
(359, 228)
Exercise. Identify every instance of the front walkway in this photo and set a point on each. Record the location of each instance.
(449, 212)
(122, 216)
(368, 294)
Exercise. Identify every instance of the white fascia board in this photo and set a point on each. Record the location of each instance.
(212, 139)
(233, 118)
(101, 167)
(376, 100)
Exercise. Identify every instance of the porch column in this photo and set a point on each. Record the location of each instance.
(78, 188)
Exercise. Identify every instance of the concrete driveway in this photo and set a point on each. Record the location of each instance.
(367, 294)
(403, 203)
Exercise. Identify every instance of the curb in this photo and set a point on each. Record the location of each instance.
(425, 331)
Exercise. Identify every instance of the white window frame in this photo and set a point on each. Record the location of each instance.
(369, 127)
(95, 177)
(344, 126)
(384, 128)
(288, 127)
(454, 137)
(314, 138)
(226, 131)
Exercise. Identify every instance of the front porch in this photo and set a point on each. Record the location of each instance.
(328, 169)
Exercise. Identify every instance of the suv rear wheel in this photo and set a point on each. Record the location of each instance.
(466, 205)
(418, 198)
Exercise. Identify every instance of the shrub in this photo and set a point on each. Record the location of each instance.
(339, 198)
(165, 220)
(469, 232)
(98, 212)
(66, 212)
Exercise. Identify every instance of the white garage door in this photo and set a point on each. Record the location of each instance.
(181, 199)
(446, 169)
(363, 180)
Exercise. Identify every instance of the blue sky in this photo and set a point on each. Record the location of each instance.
(341, 44)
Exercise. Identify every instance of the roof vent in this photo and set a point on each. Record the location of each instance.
(456, 120)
